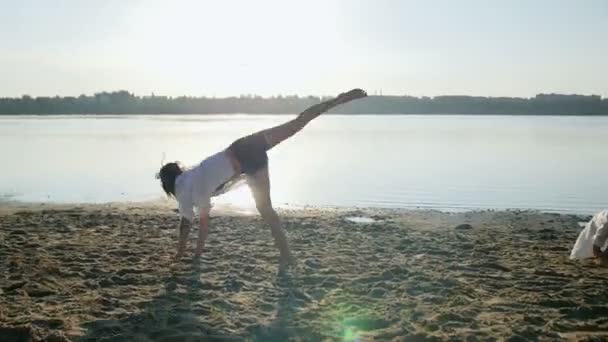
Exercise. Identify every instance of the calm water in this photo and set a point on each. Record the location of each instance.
(442, 162)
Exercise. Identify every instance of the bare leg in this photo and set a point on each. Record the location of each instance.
(203, 231)
(260, 188)
(277, 134)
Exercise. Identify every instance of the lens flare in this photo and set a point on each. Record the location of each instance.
(350, 334)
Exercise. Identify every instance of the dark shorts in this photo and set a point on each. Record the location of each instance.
(250, 151)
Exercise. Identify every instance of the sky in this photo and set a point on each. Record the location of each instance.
(313, 47)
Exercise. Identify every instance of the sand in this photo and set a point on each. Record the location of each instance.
(104, 272)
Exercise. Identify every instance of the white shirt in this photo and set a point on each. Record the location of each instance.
(194, 187)
(595, 233)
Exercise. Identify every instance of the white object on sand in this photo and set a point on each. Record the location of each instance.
(360, 219)
(596, 231)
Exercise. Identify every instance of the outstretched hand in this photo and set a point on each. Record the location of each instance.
(351, 95)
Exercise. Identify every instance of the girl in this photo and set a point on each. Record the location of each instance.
(244, 157)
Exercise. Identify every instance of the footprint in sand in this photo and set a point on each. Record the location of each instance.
(17, 333)
(585, 312)
(312, 263)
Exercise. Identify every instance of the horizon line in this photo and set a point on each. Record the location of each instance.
(375, 94)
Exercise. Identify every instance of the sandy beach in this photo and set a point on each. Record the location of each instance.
(105, 272)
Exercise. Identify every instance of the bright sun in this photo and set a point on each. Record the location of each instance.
(249, 45)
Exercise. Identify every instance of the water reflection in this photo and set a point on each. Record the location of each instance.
(445, 162)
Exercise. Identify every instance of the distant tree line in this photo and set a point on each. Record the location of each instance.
(123, 102)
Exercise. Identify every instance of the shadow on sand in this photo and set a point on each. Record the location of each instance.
(184, 312)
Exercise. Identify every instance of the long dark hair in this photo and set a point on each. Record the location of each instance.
(167, 174)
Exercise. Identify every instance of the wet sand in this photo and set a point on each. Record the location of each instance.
(104, 272)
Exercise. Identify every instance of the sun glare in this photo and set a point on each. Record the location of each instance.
(237, 45)
(238, 200)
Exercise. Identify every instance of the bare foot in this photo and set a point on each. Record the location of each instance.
(283, 267)
(351, 95)
(178, 256)
(285, 263)
(291, 261)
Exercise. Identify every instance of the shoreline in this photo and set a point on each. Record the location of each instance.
(226, 209)
(293, 114)
(93, 271)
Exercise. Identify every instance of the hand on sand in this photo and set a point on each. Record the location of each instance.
(178, 256)
(351, 95)
(172, 263)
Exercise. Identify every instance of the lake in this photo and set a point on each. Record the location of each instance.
(550, 163)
